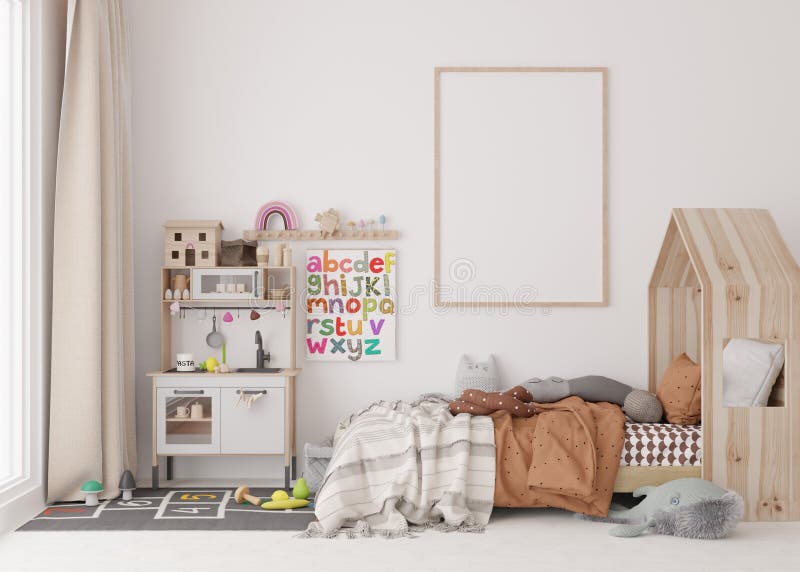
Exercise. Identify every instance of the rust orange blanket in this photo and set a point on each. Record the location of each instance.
(566, 456)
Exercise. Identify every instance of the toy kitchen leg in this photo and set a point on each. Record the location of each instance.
(287, 465)
(156, 470)
(292, 398)
(288, 433)
(154, 485)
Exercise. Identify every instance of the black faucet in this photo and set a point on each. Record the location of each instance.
(261, 357)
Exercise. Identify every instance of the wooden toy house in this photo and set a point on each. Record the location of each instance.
(722, 274)
(192, 243)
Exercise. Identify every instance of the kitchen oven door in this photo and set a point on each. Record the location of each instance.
(188, 421)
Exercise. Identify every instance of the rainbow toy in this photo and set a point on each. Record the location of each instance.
(283, 210)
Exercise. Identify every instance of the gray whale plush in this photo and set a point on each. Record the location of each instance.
(691, 508)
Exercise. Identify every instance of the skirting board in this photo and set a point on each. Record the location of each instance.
(631, 478)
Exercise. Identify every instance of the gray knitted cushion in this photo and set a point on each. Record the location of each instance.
(477, 375)
(643, 406)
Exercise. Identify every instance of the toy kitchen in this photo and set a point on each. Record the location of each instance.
(228, 376)
(228, 334)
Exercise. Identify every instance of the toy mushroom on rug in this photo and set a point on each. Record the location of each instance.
(92, 489)
(242, 494)
(127, 485)
(691, 508)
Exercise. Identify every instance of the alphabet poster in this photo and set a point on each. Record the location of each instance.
(350, 305)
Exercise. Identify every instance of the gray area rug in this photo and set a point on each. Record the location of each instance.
(173, 509)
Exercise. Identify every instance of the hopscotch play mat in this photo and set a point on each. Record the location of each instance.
(173, 509)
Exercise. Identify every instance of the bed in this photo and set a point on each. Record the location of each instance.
(397, 465)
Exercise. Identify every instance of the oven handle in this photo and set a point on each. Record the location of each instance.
(188, 392)
(251, 392)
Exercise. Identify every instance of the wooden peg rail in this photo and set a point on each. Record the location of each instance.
(317, 235)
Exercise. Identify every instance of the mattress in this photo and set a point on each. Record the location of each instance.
(662, 445)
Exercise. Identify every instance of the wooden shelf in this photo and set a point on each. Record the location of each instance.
(230, 267)
(256, 302)
(317, 235)
(213, 302)
(189, 419)
(250, 267)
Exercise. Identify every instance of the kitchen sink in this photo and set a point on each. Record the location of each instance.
(259, 370)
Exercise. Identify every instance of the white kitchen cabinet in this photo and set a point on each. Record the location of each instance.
(258, 429)
(227, 425)
(226, 283)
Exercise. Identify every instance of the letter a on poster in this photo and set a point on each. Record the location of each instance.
(350, 305)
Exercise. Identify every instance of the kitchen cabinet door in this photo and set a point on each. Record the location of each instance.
(254, 430)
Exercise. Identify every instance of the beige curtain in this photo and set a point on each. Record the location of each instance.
(92, 417)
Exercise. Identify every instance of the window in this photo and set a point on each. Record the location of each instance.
(202, 237)
(175, 255)
(13, 398)
(178, 237)
(204, 255)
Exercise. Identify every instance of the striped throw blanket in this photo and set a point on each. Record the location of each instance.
(400, 466)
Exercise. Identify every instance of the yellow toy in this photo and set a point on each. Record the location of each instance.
(280, 496)
(284, 504)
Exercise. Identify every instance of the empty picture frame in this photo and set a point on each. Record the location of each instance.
(520, 187)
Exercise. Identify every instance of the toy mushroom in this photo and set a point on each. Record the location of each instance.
(127, 485)
(92, 489)
(243, 494)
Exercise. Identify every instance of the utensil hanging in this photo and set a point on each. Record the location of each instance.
(214, 339)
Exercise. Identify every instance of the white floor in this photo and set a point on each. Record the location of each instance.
(515, 540)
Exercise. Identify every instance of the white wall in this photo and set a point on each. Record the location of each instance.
(330, 104)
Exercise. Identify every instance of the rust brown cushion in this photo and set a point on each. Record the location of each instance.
(679, 391)
(476, 402)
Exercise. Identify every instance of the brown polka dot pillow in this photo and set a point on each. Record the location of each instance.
(476, 402)
(679, 391)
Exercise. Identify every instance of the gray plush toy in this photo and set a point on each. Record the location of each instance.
(691, 508)
(641, 406)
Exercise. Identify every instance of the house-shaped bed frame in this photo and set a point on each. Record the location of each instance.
(722, 274)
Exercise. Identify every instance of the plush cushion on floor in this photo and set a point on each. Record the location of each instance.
(749, 370)
(679, 391)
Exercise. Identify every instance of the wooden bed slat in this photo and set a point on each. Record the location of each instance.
(631, 478)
